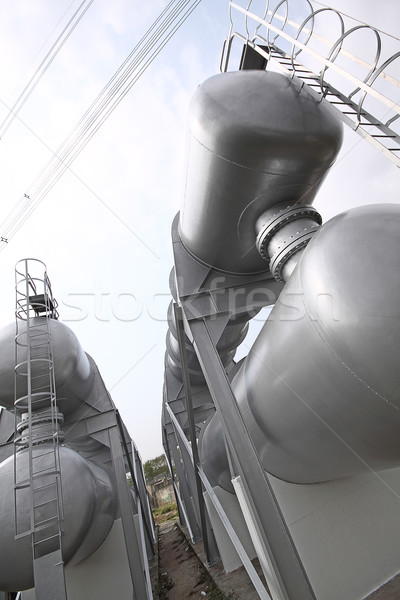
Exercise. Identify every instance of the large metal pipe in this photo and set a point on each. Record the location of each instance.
(320, 389)
(87, 516)
(88, 501)
(233, 334)
(74, 375)
(255, 140)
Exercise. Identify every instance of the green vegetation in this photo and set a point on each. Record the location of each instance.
(166, 512)
(155, 467)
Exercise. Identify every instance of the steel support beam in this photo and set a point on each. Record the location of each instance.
(229, 527)
(283, 568)
(184, 486)
(140, 591)
(142, 490)
(183, 519)
(209, 545)
(134, 481)
(230, 530)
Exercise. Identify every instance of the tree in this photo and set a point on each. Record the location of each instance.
(155, 467)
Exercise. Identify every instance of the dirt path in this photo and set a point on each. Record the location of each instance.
(182, 576)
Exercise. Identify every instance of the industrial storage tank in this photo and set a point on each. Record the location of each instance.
(319, 389)
(256, 139)
(72, 366)
(71, 524)
(88, 501)
(297, 447)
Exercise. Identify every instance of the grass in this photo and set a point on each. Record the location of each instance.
(166, 512)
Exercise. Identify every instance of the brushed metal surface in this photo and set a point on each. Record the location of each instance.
(74, 378)
(255, 140)
(320, 388)
(88, 501)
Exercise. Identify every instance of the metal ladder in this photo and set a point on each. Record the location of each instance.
(37, 473)
(378, 134)
(262, 52)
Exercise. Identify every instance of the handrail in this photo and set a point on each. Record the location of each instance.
(374, 124)
(375, 69)
(326, 62)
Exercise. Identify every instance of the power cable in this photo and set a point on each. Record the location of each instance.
(158, 35)
(57, 163)
(56, 166)
(44, 65)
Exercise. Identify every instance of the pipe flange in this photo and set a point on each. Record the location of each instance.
(40, 418)
(281, 257)
(42, 429)
(276, 221)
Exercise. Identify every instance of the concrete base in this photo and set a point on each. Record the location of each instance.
(229, 556)
(104, 575)
(347, 532)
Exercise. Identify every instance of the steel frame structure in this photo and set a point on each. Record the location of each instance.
(95, 430)
(203, 303)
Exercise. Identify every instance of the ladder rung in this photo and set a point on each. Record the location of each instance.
(40, 504)
(45, 473)
(26, 484)
(21, 486)
(43, 454)
(23, 534)
(51, 537)
(47, 486)
(44, 523)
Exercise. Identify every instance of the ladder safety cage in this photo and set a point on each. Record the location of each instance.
(273, 40)
(38, 503)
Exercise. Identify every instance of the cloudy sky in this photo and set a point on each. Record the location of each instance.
(104, 228)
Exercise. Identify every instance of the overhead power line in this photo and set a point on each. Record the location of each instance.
(44, 65)
(140, 58)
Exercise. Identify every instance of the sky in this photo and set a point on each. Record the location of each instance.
(104, 228)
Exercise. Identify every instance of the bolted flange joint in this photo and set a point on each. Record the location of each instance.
(43, 426)
(282, 232)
